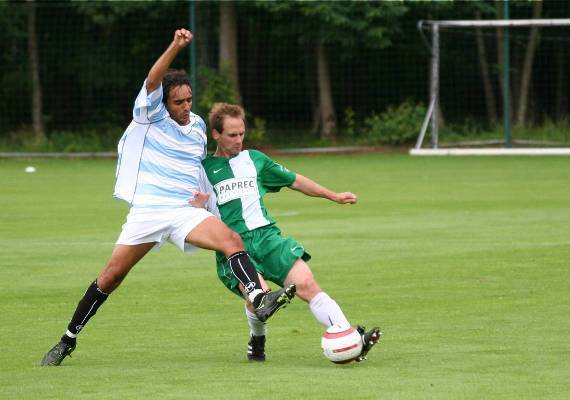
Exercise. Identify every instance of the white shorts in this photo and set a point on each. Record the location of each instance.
(147, 225)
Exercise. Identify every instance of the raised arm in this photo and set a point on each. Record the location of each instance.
(182, 38)
(313, 189)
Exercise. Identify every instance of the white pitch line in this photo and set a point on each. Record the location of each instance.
(286, 214)
(57, 243)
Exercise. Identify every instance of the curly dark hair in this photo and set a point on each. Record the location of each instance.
(172, 79)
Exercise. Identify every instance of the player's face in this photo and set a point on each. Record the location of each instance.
(230, 140)
(179, 104)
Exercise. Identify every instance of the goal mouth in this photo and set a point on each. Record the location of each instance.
(481, 69)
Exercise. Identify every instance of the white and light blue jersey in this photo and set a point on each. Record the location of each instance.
(159, 161)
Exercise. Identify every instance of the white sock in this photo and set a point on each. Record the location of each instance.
(254, 294)
(327, 311)
(71, 335)
(256, 327)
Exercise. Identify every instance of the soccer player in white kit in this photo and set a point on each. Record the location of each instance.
(158, 169)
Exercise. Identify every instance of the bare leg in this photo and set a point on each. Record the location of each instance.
(302, 277)
(213, 234)
(122, 260)
(324, 309)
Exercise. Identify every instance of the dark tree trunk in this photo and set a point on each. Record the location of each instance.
(527, 67)
(37, 109)
(228, 37)
(500, 58)
(561, 94)
(327, 112)
(203, 14)
(253, 69)
(490, 101)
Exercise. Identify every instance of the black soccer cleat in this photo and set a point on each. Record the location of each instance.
(56, 355)
(271, 302)
(256, 348)
(369, 339)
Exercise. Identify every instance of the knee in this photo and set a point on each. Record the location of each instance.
(232, 243)
(307, 288)
(235, 239)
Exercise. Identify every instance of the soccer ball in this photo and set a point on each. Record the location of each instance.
(341, 345)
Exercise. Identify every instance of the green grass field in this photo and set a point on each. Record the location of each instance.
(463, 262)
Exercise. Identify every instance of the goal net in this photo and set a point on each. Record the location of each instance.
(497, 87)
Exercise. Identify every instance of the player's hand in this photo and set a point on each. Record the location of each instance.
(182, 38)
(346, 198)
(199, 200)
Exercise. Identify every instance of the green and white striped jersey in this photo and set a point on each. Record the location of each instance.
(239, 184)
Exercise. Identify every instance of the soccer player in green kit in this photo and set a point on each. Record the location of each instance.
(239, 179)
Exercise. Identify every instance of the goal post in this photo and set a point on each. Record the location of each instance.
(538, 126)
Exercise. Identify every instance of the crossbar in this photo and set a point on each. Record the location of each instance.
(498, 22)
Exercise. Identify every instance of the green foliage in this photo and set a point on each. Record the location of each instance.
(469, 126)
(92, 65)
(12, 21)
(255, 135)
(92, 140)
(549, 132)
(434, 10)
(107, 13)
(349, 123)
(396, 125)
(342, 22)
(214, 87)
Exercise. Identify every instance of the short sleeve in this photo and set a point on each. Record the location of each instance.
(202, 128)
(148, 107)
(274, 176)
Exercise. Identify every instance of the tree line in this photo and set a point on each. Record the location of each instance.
(317, 67)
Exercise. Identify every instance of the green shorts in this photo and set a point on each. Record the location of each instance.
(272, 256)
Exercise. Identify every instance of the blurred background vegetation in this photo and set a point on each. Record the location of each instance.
(308, 73)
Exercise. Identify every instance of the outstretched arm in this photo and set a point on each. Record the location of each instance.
(182, 37)
(313, 189)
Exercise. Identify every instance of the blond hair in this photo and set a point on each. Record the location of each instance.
(220, 111)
